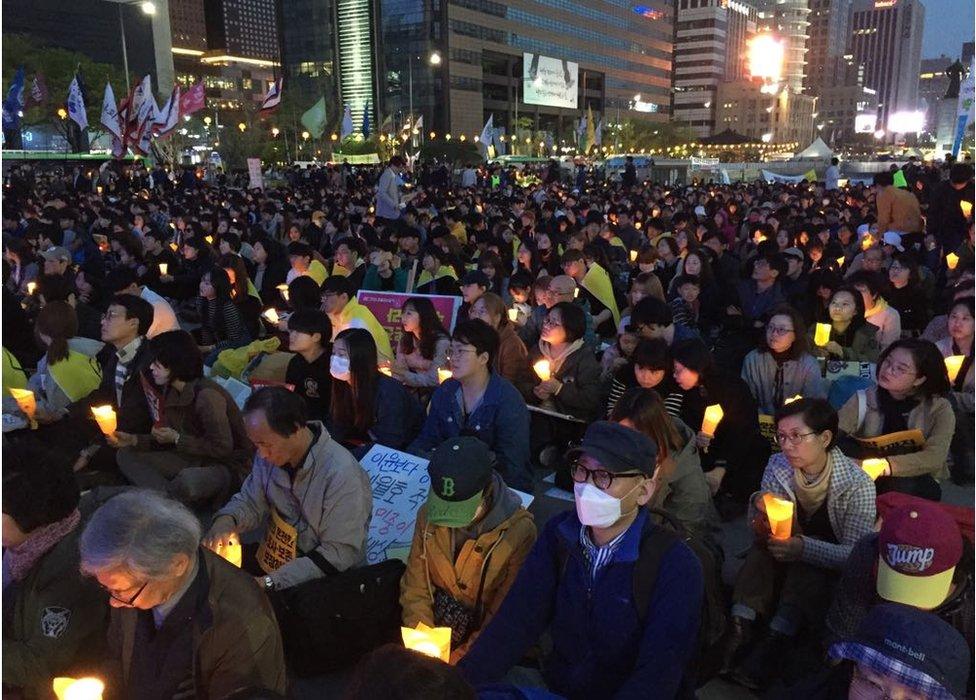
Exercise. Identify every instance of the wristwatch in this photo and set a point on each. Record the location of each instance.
(268, 584)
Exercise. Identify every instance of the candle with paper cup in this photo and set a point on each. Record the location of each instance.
(713, 416)
(953, 364)
(283, 288)
(633, 256)
(31, 286)
(792, 399)
(952, 260)
(432, 641)
(163, 268)
(106, 419)
(543, 369)
(27, 403)
(874, 467)
(231, 552)
(966, 208)
(821, 335)
(443, 375)
(513, 315)
(78, 688)
(384, 369)
(779, 513)
(271, 314)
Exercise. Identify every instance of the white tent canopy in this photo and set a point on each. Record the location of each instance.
(816, 150)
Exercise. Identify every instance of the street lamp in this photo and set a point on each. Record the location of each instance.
(242, 126)
(148, 8)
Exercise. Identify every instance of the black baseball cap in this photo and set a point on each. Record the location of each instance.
(618, 448)
(460, 470)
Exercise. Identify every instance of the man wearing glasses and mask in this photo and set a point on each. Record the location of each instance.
(618, 627)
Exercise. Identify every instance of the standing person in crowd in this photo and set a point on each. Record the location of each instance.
(309, 334)
(388, 197)
(852, 338)
(877, 311)
(910, 395)
(368, 406)
(578, 583)
(304, 485)
(469, 542)
(959, 343)
(183, 621)
(734, 456)
(898, 210)
(422, 349)
(781, 367)
(477, 401)
(512, 362)
(54, 618)
(786, 581)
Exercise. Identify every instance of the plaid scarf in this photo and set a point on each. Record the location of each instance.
(21, 559)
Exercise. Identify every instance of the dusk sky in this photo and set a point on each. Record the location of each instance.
(948, 23)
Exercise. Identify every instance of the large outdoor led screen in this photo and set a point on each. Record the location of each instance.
(551, 82)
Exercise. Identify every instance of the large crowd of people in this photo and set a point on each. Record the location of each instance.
(674, 358)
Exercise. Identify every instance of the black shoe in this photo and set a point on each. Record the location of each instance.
(764, 662)
(739, 635)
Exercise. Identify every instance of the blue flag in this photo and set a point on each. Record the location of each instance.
(366, 121)
(14, 104)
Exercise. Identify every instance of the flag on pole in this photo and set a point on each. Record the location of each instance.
(419, 125)
(599, 133)
(38, 91)
(193, 100)
(964, 109)
(487, 132)
(110, 114)
(590, 128)
(76, 104)
(271, 101)
(14, 104)
(169, 116)
(366, 121)
(347, 127)
(581, 133)
(314, 119)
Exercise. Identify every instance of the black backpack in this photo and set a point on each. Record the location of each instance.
(660, 533)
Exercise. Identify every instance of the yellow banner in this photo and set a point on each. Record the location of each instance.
(280, 544)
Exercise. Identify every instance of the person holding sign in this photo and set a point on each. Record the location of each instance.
(619, 596)
(469, 543)
(477, 401)
(905, 419)
(184, 622)
(787, 580)
(851, 338)
(313, 496)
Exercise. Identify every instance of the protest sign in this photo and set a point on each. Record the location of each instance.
(386, 307)
(255, 179)
(399, 482)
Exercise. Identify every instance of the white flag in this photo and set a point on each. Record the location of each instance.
(76, 105)
(486, 135)
(110, 113)
(599, 134)
(347, 126)
(169, 115)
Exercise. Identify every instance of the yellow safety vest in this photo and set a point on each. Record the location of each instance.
(354, 311)
(77, 375)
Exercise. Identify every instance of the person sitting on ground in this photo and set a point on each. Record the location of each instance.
(578, 583)
(437, 276)
(123, 281)
(344, 310)
(314, 493)
(349, 263)
(368, 406)
(786, 580)
(957, 342)
(422, 349)
(409, 675)
(909, 396)
(877, 311)
(477, 401)
(649, 368)
(197, 449)
(781, 367)
(852, 338)
(184, 622)
(513, 358)
(473, 285)
(469, 542)
(303, 262)
(221, 323)
(54, 618)
(653, 318)
(309, 334)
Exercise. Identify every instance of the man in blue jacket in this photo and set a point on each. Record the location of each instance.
(579, 582)
(480, 403)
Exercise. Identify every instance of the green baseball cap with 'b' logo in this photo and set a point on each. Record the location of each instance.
(460, 470)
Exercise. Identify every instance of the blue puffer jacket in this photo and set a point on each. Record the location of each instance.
(501, 421)
(600, 648)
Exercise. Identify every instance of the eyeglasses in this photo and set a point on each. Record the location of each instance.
(793, 439)
(131, 600)
(453, 351)
(112, 315)
(602, 479)
(899, 369)
(779, 330)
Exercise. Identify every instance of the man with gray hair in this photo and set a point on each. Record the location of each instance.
(184, 622)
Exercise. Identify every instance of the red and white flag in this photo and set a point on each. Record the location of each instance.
(272, 99)
(193, 100)
(169, 115)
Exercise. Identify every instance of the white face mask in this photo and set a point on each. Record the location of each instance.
(339, 367)
(597, 508)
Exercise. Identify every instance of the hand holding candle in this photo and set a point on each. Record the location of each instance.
(513, 315)
(779, 513)
(78, 688)
(875, 467)
(31, 286)
(821, 335)
(543, 369)
(713, 416)
(106, 419)
(283, 288)
(432, 641)
(443, 375)
(26, 401)
(272, 315)
(230, 550)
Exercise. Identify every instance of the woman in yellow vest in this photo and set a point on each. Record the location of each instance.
(63, 376)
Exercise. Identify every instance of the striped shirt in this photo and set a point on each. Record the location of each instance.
(125, 356)
(598, 557)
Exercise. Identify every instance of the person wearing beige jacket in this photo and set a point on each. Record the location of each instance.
(910, 395)
(898, 210)
(469, 543)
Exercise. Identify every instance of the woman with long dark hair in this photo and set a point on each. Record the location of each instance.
(907, 295)
(242, 292)
(271, 267)
(422, 349)
(368, 406)
(959, 343)
(852, 338)
(220, 320)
